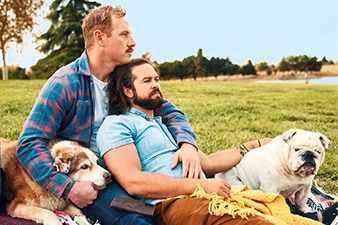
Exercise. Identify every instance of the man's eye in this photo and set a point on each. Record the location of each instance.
(125, 34)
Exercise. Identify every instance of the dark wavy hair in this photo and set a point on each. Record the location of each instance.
(122, 77)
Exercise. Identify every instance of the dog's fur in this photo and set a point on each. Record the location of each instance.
(286, 165)
(28, 200)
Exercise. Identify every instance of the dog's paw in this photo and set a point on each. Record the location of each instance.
(305, 209)
(82, 220)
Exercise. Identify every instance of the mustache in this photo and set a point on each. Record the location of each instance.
(155, 91)
(130, 49)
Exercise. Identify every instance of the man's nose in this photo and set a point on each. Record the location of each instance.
(131, 42)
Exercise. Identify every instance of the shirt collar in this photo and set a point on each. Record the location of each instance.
(142, 114)
(83, 65)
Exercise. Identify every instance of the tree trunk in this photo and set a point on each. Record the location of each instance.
(4, 66)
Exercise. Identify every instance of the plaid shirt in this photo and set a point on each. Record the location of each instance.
(65, 109)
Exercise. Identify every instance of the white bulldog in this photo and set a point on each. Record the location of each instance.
(286, 165)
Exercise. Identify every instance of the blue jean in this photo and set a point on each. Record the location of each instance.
(100, 210)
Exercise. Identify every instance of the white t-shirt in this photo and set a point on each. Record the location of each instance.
(100, 109)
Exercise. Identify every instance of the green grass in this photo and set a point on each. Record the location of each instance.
(222, 114)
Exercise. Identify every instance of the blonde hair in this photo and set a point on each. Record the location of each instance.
(100, 19)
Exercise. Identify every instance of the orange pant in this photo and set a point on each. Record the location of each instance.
(194, 211)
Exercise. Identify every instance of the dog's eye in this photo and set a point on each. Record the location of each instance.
(297, 149)
(85, 166)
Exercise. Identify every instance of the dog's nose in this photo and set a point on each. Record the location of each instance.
(308, 155)
(107, 177)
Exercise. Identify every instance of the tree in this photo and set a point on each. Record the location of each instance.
(327, 62)
(284, 65)
(262, 66)
(219, 66)
(304, 62)
(15, 72)
(16, 18)
(202, 64)
(230, 68)
(63, 42)
(154, 63)
(215, 65)
(313, 64)
(248, 68)
(189, 64)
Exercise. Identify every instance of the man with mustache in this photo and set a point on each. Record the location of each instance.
(73, 104)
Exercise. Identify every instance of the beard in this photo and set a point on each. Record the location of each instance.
(149, 103)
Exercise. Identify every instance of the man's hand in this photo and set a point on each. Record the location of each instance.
(83, 193)
(218, 186)
(188, 156)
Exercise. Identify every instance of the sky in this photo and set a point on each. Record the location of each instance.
(260, 31)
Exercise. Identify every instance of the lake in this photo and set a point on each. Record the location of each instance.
(323, 80)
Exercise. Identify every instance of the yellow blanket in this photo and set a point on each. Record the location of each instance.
(244, 202)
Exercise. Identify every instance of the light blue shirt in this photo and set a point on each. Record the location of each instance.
(153, 141)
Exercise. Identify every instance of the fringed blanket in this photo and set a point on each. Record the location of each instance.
(244, 202)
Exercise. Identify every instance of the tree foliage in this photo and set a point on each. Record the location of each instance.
(16, 72)
(248, 68)
(262, 66)
(200, 66)
(16, 18)
(327, 62)
(154, 63)
(284, 65)
(63, 42)
(300, 63)
(189, 65)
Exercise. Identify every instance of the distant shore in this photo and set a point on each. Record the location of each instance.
(326, 71)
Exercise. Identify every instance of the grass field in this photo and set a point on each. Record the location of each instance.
(222, 114)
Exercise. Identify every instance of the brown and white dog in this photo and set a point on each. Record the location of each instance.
(28, 200)
(286, 165)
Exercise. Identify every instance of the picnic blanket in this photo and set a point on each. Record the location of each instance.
(244, 202)
(64, 218)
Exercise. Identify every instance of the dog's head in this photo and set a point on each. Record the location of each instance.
(79, 163)
(306, 151)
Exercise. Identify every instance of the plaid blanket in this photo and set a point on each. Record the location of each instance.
(318, 199)
(5, 219)
(64, 218)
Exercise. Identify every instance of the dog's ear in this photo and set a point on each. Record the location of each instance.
(62, 162)
(287, 136)
(325, 141)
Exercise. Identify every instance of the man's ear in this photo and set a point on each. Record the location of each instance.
(128, 92)
(98, 37)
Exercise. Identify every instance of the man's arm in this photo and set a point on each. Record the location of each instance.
(224, 160)
(39, 128)
(152, 185)
(50, 115)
